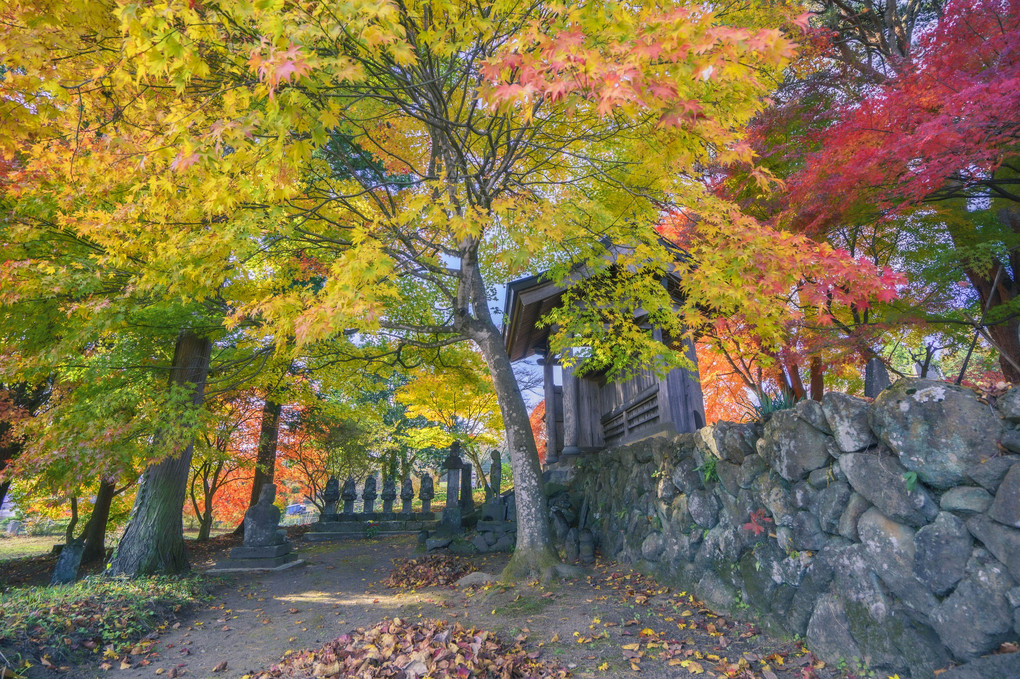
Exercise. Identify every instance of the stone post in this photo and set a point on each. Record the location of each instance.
(467, 498)
(570, 424)
(586, 546)
(389, 494)
(406, 495)
(369, 495)
(496, 474)
(876, 378)
(330, 496)
(349, 495)
(452, 465)
(426, 493)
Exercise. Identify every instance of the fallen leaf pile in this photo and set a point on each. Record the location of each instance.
(435, 570)
(402, 650)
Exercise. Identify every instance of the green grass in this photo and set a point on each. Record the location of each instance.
(27, 545)
(521, 606)
(65, 622)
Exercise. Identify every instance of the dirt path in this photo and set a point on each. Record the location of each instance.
(612, 623)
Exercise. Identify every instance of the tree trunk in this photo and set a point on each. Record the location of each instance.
(205, 524)
(69, 533)
(154, 539)
(817, 378)
(4, 486)
(94, 533)
(269, 435)
(534, 552)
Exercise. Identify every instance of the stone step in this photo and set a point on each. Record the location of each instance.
(350, 531)
(377, 516)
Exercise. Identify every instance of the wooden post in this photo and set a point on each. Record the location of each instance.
(570, 429)
(552, 453)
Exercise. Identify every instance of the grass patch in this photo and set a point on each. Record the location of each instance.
(522, 605)
(26, 545)
(67, 622)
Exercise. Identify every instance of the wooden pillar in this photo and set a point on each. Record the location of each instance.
(552, 453)
(570, 424)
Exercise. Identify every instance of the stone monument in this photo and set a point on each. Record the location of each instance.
(467, 498)
(426, 493)
(495, 473)
(389, 494)
(330, 496)
(66, 570)
(349, 495)
(406, 495)
(369, 495)
(451, 512)
(876, 378)
(265, 546)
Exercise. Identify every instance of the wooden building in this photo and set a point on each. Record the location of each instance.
(590, 412)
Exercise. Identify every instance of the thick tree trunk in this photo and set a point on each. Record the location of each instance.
(205, 523)
(817, 379)
(269, 435)
(534, 552)
(94, 533)
(154, 539)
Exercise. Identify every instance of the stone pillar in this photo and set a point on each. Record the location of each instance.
(552, 453)
(570, 423)
(496, 473)
(406, 495)
(876, 378)
(467, 498)
(389, 494)
(452, 465)
(330, 496)
(369, 495)
(349, 495)
(426, 493)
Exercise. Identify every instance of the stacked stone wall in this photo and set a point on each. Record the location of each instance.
(887, 531)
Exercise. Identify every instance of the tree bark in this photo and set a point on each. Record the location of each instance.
(153, 542)
(94, 533)
(817, 378)
(534, 552)
(269, 436)
(69, 533)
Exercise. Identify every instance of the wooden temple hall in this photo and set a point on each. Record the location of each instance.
(588, 413)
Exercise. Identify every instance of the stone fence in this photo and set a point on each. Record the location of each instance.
(885, 531)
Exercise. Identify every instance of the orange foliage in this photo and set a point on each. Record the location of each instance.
(726, 396)
(537, 419)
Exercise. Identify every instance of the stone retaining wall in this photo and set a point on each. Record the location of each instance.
(884, 531)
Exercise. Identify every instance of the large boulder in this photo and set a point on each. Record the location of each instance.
(889, 550)
(829, 504)
(936, 429)
(828, 631)
(1009, 404)
(848, 419)
(704, 508)
(793, 442)
(942, 550)
(1006, 507)
(1003, 665)
(807, 534)
(989, 473)
(729, 440)
(856, 505)
(879, 477)
(976, 618)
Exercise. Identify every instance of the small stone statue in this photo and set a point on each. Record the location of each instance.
(389, 494)
(586, 546)
(426, 493)
(369, 495)
(406, 495)
(467, 498)
(349, 495)
(495, 473)
(330, 496)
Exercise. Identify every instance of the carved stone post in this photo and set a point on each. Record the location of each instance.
(496, 473)
(467, 498)
(369, 495)
(876, 378)
(389, 494)
(349, 495)
(452, 465)
(426, 493)
(330, 496)
(406, 495)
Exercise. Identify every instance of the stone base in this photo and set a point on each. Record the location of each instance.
(228, 567)
(264, 552)
(346, 530)
(257, 564)
(375, 516)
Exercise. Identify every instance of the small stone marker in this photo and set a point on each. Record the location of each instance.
(452, 465)
(572, 546)
(876, 378)
(369, 495)
(586, 546)
(265, 546)
(14, 527)
(68, 562)
(426, 493)
(406, 495)
(330, 497)
(389, 494)
(349, 495)
(495, 473)
(467, 498)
